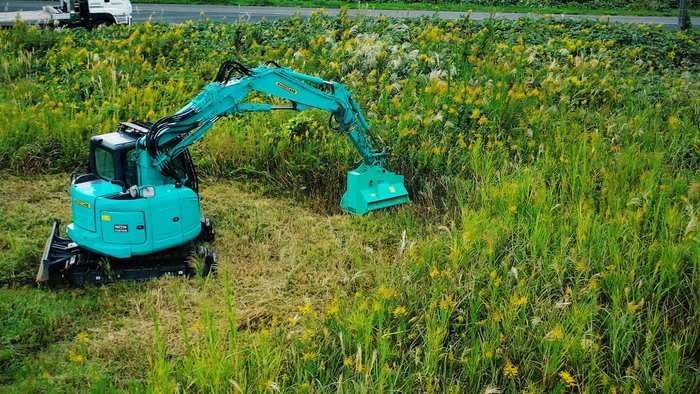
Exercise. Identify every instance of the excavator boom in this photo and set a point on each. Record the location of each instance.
(370, 186)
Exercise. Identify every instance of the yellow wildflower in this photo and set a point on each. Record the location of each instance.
(308, 335)
(385, 292)
(568, 379)
(447, 303)
(334, 307)
(76, 358)
(399, 311)
(82, 337)
(673, 122)
(556, 334)
(518, 301)
(435, 272)
(308, 356)
(305, 309)
(510, 370)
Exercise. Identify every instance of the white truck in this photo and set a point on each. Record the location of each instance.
(90, 14)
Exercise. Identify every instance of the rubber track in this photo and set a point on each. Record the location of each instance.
(91, 268)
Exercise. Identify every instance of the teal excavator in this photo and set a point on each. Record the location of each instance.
(136, 214)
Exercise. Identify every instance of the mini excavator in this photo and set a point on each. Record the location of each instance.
(136, 214)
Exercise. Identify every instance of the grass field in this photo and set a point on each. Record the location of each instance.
(550, 247)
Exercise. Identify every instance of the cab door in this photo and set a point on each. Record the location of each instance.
(166, 215)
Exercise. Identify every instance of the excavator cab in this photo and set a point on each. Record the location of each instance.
(113, 157)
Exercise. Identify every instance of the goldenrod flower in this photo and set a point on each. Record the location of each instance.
(385, 292)
(306, 309)
(568, 379)
(308, 356)
(307, 335)
(510, 370)
(518, 301)
(435, 272)
(556, 334)
(399, 311)
(333, 308)
(76, 358)
(673, 122)
(82, 337)
(447, 303)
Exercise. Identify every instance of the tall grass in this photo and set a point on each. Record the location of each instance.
(555, 160)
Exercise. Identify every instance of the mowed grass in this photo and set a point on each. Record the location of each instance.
(273, 257)
(551, 245)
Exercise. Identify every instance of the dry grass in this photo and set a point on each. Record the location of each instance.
(276, 257)
(275, 254)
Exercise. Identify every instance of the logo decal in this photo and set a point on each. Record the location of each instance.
(285, 87)
(82, 203)
(121, 228)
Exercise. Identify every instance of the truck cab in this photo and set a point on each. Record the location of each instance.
(98, 13)
(90, 14)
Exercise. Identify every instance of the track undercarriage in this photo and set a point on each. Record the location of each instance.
(65, 259)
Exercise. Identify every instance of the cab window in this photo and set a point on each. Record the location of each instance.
(104, 164)
(131, 170)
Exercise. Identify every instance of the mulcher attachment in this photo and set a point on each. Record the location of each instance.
(373, 187)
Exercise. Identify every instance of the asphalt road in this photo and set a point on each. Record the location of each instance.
(175, 13)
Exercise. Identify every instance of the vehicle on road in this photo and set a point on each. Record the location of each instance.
(90, 14)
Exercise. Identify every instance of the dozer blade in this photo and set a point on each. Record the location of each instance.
(373, 187)
(57, 252)
(43, 274)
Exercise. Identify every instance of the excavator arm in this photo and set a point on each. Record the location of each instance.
(370, 186)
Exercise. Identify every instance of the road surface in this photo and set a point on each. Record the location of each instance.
(178, 13)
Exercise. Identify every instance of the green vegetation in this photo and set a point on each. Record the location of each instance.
(551, 245)
(594, 7)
